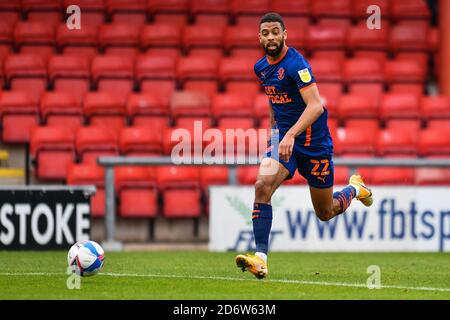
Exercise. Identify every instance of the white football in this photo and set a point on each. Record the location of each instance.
(86, 257)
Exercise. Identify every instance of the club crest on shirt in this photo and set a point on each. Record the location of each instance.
(281, 74)
(305, 76)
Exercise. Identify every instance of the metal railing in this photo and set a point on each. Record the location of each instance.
(110, 162)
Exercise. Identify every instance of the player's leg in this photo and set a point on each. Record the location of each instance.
(270, 176)
(327, 204)
(320, 175)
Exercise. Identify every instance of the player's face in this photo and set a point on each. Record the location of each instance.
(272, 37)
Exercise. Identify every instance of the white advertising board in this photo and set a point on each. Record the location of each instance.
(400, 219)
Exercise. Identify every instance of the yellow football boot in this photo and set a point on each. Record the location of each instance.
(252, 263)
(365, 194)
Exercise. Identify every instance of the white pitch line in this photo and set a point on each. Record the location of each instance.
(303, 282)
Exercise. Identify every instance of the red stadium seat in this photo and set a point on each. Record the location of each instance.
(367, 124)
(127, 11)
(410, 88)
(6, 33)
(326, 70)
(161, 35)
(173, 53)
(261, 107)
(392, 176)
(331, 8)
(181, 191)
(212, 7)
(380, 56)
(296, 21)
(247, 174)
(356, 142)
(137, 191)
(210, 87)
(400, 106)
(432, 176)
(78, 41)
(404, 125)
(439, 124)
(10, 11)
(335, 55)
(203, 36)
(434, 142)
(213, 175)
(408, 37)
(233, 111)
(90, 174)
(140, 141)
(104, 109)
(404, 71)
(93, 11)
(410, 9)
(27, 72)
(250, 53)
(237, 69)
(197, 68)
(19, 113)
(62, 109)
(397, 142)
(359, 37)
(435, 107)
(35, 37)
(149, 110)
(92, 142)
(168, 6)
(163, 87)
(243, 87)
(419, 57)
(288, 7)
(213, 53)
(240, 36)
(53, 149)
(173, 136)
(434, 39)
(341, 175)
(154, 67)
(114, 74)
(371, 90)
(359, 8)
(249, 7)
(34, 33)
(179, 20)
(326, 37)
(357, 106)
(366, 173)
(192, 105)
(333, 127)
(2, 81)
(363, 70)
(70, 73)
(41, 10)
(212, 19)
(237, 75)
(330, 93)
(119, 38)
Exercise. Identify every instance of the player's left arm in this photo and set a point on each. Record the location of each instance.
(312, 112)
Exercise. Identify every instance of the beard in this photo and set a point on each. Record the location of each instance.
(274, 52)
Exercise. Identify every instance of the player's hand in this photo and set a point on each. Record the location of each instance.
(286, 146)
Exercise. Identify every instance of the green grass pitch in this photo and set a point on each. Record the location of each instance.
(203, 275)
